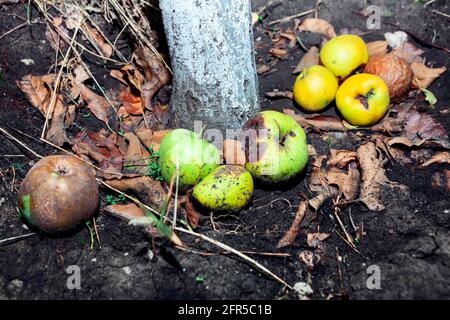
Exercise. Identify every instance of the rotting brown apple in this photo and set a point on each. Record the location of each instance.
(58, 194)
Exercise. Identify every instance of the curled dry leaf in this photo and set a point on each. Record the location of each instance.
(341, 158)
(192, 215)
(125, 211)
(96, 103)
(136, 157)
(377, 48)
(56, 133)
(318, 26)
(440, 157)
(408, 52)
(314, 238)
(98, 40)
(155, 72)
(280, 94)
(102, 148)
(309, 59)
(151, 139)
(151, 190)
(424, 76)
(292, 233)
(307, 257)
(70, 115)
(373, 176)
(324, 123)
(421, 127)
(233, 152)
(38, 90)
(133, 104)
(279, 53)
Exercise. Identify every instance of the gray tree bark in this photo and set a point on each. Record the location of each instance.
(212, 55)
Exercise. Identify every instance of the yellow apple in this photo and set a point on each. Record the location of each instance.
(315, 88)
(363, 99)
(344, 54)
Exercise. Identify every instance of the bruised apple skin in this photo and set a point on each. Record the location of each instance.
(281, 150)
(58, 194)
(396, 73)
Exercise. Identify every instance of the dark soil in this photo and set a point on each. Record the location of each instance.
(409, 241)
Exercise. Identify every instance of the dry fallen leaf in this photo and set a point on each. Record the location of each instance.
(192, 215)
(96, 103)
(309, 59)
(280, 94)
(144, 186)
(307, 257)
(440, 157)
(325, 123)
(377, 48)
(441, 180)
(421, 127)
(373, 176)
(101, 147)
(151, 139)
(279, 53)
(155, 72)
(38, 90)
(318, 26)
(408, 52)
(341, 158)
(133, 104)
(97, 38)
(136, 157)
(424, 76)
(314, 238)
(56, 133)
(292, 233)
(262, 69)
(125, 211)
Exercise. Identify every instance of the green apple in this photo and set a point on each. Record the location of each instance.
(282, 152)
(226, 188)
(196, 157)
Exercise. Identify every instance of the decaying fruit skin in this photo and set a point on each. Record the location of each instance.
(226, 188)
(59, 193)
(396, 73)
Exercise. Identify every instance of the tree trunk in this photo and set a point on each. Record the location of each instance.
(212, 54)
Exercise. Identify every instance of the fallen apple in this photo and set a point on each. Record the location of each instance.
(280, 151)
(196, 157)
(344, 54)
(363, 99)
(315, 88)
(59, 193)
(226, 188)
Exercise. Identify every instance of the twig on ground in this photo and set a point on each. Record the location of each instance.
(208, 254)
(273, 201)
(289, 18)
(16, 238)
(14, 29)
(7, 134)
(442, 14)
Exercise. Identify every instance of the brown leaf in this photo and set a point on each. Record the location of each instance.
(291, 36)
(280, 94)
(341, 158)
(192, 215)
(70, 115)
(133, 104)
(56, 133)
(377, 48)
(55, 37)
(279, 53)
(307, 257)
(424, 76)
(97, 38)
(101, 147)
(314, 238)
(233, 152)
(261, 69)
(441, 180)
(309, 59)
(146, 187)
(156, 139)
(292, 233)
(389, 125)
(136, 156)
(408, 52)
(318, 26)
(440, 157)
(421, 127)
(373, 176)
(38, 90)
(325, 123)
(96, 103)
(125, 211)
(155, 72)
